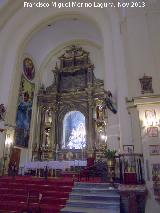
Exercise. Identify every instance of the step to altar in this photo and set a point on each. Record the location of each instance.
(93, 198)
(88, 210)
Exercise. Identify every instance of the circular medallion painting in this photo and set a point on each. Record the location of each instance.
(28, 68)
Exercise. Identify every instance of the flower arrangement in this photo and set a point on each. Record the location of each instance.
(109, 154)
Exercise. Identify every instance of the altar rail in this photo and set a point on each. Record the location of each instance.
(131, 168)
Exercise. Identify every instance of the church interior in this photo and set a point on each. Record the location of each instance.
(79, 106)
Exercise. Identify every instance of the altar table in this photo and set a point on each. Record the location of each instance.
(62, 165)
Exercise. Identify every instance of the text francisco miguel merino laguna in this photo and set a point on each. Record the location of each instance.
(69, 4)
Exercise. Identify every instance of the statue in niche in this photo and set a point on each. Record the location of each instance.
(99, 110)
(100, 113)
(46, 142)
(48, 116)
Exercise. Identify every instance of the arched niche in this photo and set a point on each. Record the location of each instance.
(65, 111)
(74, 131)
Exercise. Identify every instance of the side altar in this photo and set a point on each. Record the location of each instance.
(71, 113)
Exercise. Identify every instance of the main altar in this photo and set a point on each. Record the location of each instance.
(71, 113)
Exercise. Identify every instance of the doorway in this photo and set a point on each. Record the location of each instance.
(15, 157)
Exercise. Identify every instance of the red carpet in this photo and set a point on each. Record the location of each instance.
(55, 192)
(13, 193)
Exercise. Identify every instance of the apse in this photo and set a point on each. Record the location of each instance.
(74, 131)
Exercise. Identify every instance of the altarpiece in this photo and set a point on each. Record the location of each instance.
(74, 89)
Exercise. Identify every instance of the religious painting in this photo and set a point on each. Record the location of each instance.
(128, 149)
(72, 81)
(152, 131)
(29, 69)
(154, 149)
(24, 112)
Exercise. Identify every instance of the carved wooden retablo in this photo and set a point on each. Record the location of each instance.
(75, 88)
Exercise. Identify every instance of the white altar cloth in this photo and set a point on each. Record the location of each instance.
(63, 165)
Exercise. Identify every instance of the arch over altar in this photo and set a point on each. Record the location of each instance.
(74, 91)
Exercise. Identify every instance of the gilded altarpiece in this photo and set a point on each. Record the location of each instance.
(74, 88)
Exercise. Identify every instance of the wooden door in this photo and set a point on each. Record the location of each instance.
(15, 157)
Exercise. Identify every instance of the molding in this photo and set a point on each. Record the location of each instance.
(142, 100)
(148, 96)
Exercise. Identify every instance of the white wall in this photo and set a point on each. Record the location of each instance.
(141, 30)
(141, 39)
(61, 31)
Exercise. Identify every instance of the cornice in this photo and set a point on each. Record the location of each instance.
(143, 100)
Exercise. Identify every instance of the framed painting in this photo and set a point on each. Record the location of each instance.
(154, 149)
(28, 69)
(24, 112)
(128, 149)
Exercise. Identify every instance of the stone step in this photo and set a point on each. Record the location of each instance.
(93, 198)
(102, 197)
(109, 191)
(93, 204)
(89, 210)
(93, 185)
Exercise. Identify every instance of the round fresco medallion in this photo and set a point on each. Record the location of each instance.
(29, 69)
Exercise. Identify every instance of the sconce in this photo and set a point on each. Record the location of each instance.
(104, 137)
(9, 140)
(9, 130)
(7, 147)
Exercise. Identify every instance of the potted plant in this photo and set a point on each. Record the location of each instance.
(111, 163)
(110, 156)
